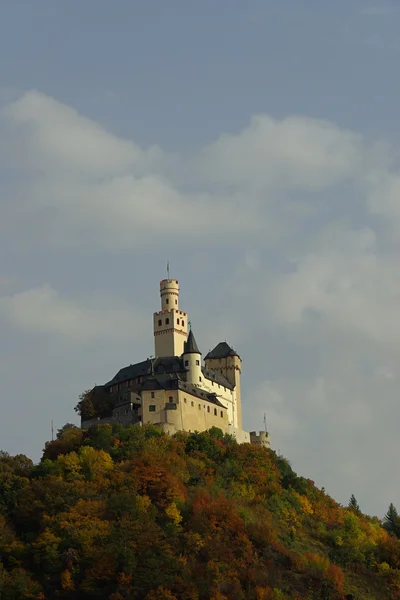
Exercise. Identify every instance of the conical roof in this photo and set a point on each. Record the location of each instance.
(190, 346)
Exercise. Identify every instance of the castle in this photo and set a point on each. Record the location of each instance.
(175, 390)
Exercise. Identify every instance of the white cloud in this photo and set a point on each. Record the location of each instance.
(51, 135)
(295, 151)
(78, 182)
(43, 310)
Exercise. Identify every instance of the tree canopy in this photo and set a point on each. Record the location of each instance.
(133, 514)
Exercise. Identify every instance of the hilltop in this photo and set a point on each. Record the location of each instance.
(132, 513)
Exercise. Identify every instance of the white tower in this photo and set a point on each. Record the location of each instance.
(192, 360)
(170, 324)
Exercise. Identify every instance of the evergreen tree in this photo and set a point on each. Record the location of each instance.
(353, 504)
(391, 521)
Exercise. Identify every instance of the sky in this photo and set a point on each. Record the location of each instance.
(255, 145)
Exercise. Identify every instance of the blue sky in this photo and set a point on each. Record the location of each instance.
(253, 144)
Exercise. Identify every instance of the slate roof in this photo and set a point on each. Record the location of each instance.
(217, 377)
(163, 369)
(190, 346)
(131, 372)
(222, 350)
(165, 364)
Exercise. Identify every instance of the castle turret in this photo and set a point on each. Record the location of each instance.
(192, 360)
(170, 324)
(225, 360)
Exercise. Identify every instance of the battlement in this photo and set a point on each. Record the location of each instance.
(260, 439)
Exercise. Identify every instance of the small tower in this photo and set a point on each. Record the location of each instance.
(226, 361)
(192, 360)
(170, 324)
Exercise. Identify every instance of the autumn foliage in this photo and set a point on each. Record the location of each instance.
(133, 514)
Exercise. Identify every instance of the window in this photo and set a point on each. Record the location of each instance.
(185, 400)
(152, 394)
(215, 411)
(212, 383)
(177, 321)
(199, 378)
(199, 406)
(208, 409)
(192, 403)
(222, 414)
(167, 301)
(176, 301)
(197, 362)
(186, 363)
(167, 321)
(152, 408)
(159, 322)
(170, 399)
(183, 324)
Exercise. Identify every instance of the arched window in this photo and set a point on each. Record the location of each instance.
(177, 321)
(159, 322)
(183, 324)
(215, 411)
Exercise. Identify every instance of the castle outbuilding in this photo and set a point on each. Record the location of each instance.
(175, 390)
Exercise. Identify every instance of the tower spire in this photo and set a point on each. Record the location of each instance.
(168, 270)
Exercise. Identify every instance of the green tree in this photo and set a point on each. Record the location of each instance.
(353, 505)
(391, 521)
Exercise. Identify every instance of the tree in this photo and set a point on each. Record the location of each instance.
(353, 505)
(391, 521)
(65, 429)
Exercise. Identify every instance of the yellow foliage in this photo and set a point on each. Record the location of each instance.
(173, 513)
(384, 568)
(67, 582)
(305, 504)
(143, 503)
(161, 593)
(70, 465)
(94, 462)
(85, 521)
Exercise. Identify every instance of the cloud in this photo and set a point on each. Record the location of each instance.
(43, 310)
(79, 183)
(295, 151)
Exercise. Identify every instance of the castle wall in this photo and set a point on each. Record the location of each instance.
(230, 367)
(226, 396)
(191, 413)
(242, 437)
(260, 439)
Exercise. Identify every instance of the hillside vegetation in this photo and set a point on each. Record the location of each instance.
(131, 514)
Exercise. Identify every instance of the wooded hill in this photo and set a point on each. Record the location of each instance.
(132, 514)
